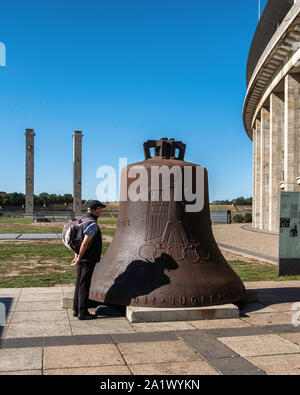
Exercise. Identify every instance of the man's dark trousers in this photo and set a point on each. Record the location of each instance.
(83, 282)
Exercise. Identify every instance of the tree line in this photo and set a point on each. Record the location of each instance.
(46, 199)
(43, 199)
(240, 201)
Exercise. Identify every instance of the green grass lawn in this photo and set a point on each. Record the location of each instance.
(108, 232)
(36, 264)
(45, 264)
(250, 272)
(22, 225)
(108, 221)
(15, 220)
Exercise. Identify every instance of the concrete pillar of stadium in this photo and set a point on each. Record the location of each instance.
(29, 183)
(254, 134)
(265, 168)
(257, 174)
(276, 158)
(77, 172)
(291, 132)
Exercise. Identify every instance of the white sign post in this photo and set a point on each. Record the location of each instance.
(289, 241)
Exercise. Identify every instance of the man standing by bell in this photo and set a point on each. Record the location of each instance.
(89, 255)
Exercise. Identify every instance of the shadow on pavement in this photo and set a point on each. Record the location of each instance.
(271, 296)
(110, 311)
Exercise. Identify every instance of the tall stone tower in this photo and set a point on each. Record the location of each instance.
(77, 172)
(29, 202)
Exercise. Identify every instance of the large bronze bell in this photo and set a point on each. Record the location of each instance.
(162, 255)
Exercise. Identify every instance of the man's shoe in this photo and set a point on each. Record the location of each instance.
(86, 316)
(75, 314)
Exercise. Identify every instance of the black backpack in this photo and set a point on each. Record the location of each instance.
(72, 235)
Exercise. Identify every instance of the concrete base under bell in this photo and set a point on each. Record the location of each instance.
(146, 314)
(149, 314)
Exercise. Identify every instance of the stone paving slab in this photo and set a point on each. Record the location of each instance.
(42, 290)
(246, 331)
(39, 316)
(288, 364)
(206, 345)
(214, 324)
(282, 307)
(236, 367)
(175, 368)
(155, 352)
(20, 359)
(93, 371)
(252, 346)
(68, 289)
(144, 337)
(22, 342)
(264, 319)
(34, 297)
(38, 306)
(163, 326)
(37, 329)
(81, 356)
(10, 292)
(101, 326)
(283, 328)
(77, 340)
(22, 373)
(292, 337)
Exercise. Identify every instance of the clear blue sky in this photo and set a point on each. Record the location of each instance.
(123, 72)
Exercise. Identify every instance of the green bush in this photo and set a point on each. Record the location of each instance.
(239, 218)
(248, 218)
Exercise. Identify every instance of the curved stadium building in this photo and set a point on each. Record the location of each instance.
(271, 112)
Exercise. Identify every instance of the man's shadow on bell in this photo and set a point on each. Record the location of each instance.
(140, 278)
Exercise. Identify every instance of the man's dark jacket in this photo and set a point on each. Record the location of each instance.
(94, 250)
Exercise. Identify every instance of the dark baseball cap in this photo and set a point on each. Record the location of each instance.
(95, 204)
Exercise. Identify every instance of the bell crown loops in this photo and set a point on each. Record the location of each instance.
(165, 148)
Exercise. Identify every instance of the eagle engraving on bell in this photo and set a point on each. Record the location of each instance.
(164, 253)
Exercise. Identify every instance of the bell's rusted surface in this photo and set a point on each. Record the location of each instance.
(162, 255)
